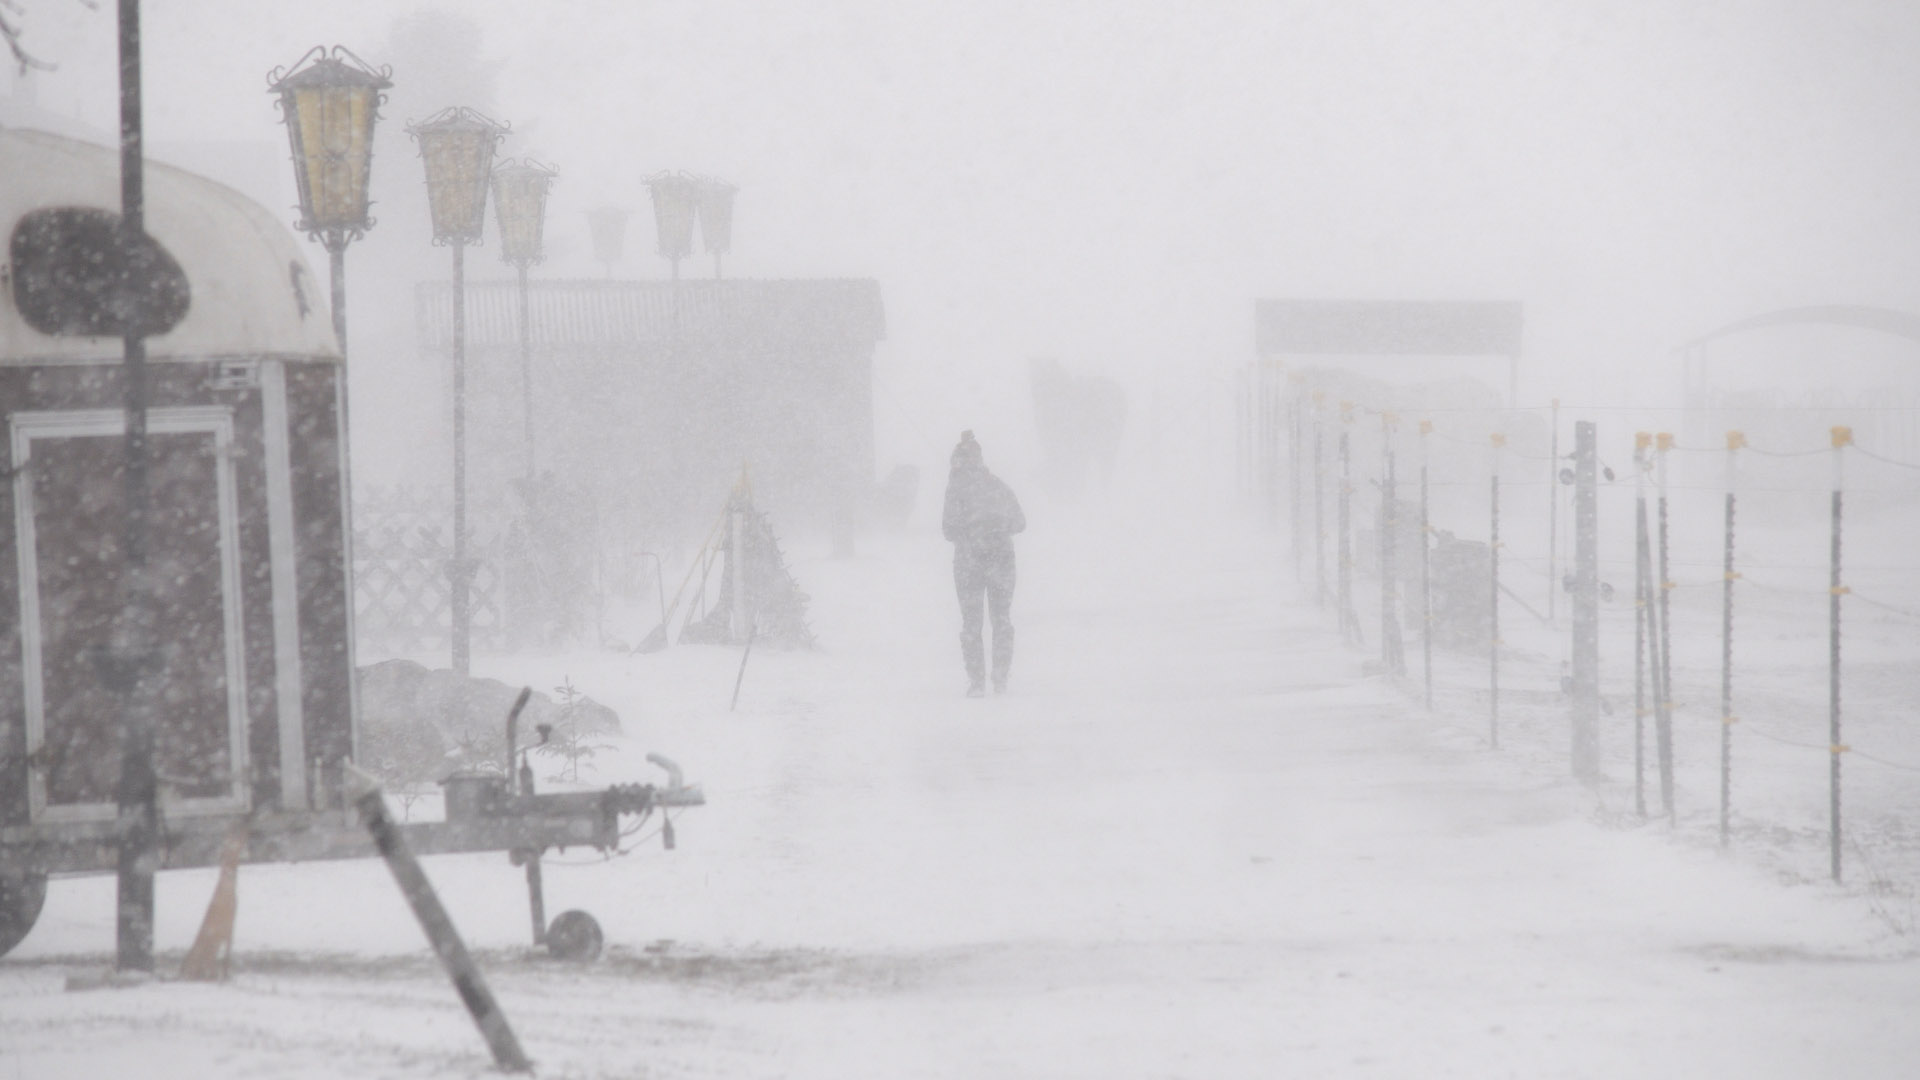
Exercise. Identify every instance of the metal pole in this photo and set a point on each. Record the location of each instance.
(1348, 619)
(465, 974)
(1640, 442)
(1663, 652)
(526, 372)
(336, 244)
(1842, 437)
(137, 794)
(1392, 653)
(1269, 445)
(1553, 514)
(1735, 440)
(1319, 503)
(1493, 568)
(458, 578)
(1294, 441)
(1426, 569)
(1585, 751)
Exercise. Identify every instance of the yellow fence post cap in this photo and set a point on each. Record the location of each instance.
(1842, 436)
(1642, 440)
(1736, 440)
(1499, 439)
(1663, 441)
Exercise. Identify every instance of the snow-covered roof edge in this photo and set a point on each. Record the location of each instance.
(253, 293)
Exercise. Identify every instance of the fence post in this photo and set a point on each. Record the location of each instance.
(1426, 569)
(1553, 514)
(1493, 565)
(1735, 440)
(1249, 432)
(1392, 649)
(1586, 604)
(1842, 438)
(1295, 440)
(1349, 620)
(1663, 702)
(1319, 501)
(1641, 440)
(1269, 443)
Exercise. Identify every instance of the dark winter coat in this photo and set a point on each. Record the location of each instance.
(982, 513)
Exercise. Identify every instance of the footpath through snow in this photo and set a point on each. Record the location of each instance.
(1194, 841)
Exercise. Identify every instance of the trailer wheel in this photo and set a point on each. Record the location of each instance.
(22, 895)
(575, 937)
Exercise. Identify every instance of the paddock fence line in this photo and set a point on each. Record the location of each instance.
(1685, 643)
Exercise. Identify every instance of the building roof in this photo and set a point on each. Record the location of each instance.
(1387, 327)
(595, 315)
(1904, 324)
(252, 292)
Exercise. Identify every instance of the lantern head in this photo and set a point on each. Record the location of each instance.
(329, 101)
(457, 145)
(520, 208)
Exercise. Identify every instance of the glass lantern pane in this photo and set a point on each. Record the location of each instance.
(457, 165)
(335, 125)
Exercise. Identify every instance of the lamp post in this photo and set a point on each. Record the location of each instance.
(329, 101)
(608, 224)
(520, 208)
(457, 145)
(715, 200)
(680, 199)
(674, 206)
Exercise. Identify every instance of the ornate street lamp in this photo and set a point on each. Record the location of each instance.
(679, 200)
(457, 145)
(329, 101)
(520, 208)
(714, 198)
(675, 202)
(608, 224)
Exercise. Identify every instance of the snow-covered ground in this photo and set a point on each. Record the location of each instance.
(1196, 840)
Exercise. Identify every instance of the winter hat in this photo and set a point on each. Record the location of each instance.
(968, 452)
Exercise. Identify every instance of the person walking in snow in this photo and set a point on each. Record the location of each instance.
(980, 517)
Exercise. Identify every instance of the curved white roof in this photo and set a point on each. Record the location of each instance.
(253, 293)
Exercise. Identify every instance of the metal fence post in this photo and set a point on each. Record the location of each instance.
(1663, 700)
(1553, 514)
(1269, 443)
(1735, 440)
(1295, 441)
(1392, 650)
(1586, 604)
(1498, 440)
(1641, 440)
(1319, 501)
(1842, 438)
(1349, 620)
(1426, 569)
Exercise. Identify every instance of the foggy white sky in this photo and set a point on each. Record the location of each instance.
(1113, 182)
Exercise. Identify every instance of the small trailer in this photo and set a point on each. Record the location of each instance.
(247, 553)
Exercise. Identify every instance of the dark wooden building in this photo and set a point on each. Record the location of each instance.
(247, 543)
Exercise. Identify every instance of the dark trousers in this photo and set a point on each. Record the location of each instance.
(985, 574)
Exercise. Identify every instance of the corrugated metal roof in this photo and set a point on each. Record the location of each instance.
(595, 315)
(1387, 327)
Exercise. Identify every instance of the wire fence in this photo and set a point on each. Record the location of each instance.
(1726, 624)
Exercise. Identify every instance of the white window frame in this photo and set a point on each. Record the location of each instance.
(216, 421)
